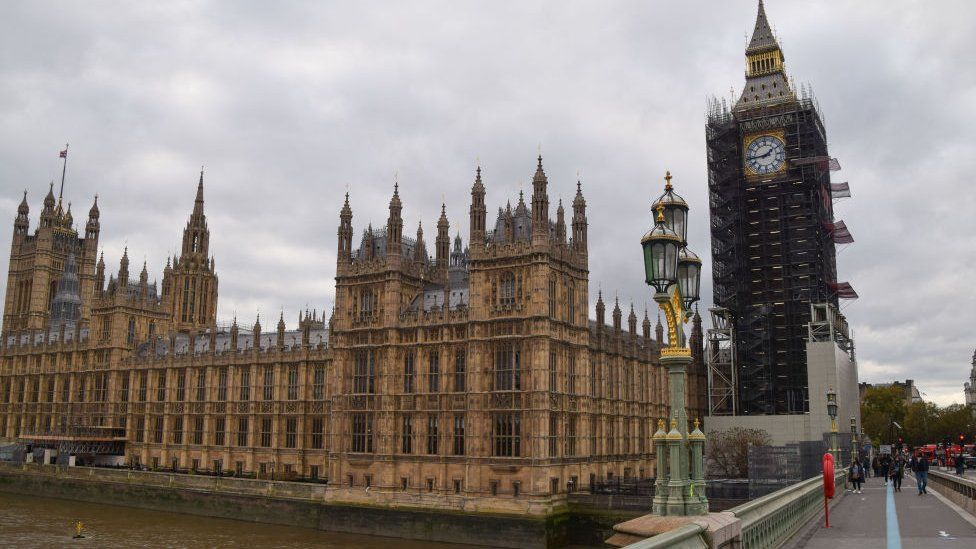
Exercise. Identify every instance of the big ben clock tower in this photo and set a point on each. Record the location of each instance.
(772, 229)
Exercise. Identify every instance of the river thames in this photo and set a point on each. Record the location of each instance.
(46, 522)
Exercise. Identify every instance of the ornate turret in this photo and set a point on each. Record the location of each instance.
(193, 281)
(234, 330)
(93, 226)
(560, 223)
(579, 219)
(540, 206)
(47, 214)
(617, 316)
(345, 233)
(443, 244)
(420, 249)
(601, 311)
(394, 225)
(124, 269)
(659, 332)
(478, 213)
(281, 331)
(22, 221)
(100, 275)
(646, 325)
(632, 321)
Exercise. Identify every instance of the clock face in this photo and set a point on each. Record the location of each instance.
(766, 155)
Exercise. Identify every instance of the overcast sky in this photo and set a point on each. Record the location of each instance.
(287, 107)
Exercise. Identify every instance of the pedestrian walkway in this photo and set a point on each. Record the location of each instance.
(881, 518)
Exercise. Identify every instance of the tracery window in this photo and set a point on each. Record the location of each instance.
(507, 434)
(508, 368)
(364, 374)
(362, 432)
(508, 289)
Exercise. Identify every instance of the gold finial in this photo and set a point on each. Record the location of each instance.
(660, 213)
(660, 424)
(674, 423)
(697, 423)
(667, 179)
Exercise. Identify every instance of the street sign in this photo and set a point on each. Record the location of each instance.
(886, 449)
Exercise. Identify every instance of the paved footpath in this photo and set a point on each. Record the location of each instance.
(881, 518)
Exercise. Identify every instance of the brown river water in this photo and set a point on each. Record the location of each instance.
(47, 522)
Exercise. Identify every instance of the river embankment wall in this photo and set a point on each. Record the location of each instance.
(303, 505)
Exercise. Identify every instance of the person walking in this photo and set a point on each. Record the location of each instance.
(922, 474)
(885, 465)
(876, 466)
(897, 472)
(866, 466)
(855, 474)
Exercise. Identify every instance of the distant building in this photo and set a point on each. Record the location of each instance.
(473, 376)
(912, 396)
(970, 387)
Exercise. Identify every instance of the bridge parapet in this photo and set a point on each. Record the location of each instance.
(959, 490)
(766, 522)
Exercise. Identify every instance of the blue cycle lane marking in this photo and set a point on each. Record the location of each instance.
(891, 519)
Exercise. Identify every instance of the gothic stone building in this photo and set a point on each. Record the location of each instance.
(473, 379)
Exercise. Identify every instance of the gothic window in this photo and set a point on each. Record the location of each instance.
(158, 430)
(406, 434)
(106, 326)
(571, 302)
(186, 299)
(508, 289)
(291, 432)
(570, 436)
(318, 434)
(367, 302)
(552, 372)
(458, 434)
(268, 388)
(552, 298)
(143, 383)
(364, 375)
(219, 428)
(318, 384)
(362, 432)
(50, 389)
(245, 385)
(508, 374)
(140, 429)
(408, 372)
(65, 390)
(266, 432)
(201, 384)
(571, 371)
(152, 329)
(195, 247)
(434, 372)
(507, 434)
(460, 370)
(432, 434)
(130, 336)
(293, 383)
(222, 385)
(242, 429)
(553, 430)
(123, 390)
(178, 430)
(198, 430)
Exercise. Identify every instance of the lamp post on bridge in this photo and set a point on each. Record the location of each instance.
(674, 272)
(854, 447)
(832, 412)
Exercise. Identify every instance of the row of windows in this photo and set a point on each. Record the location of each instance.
(195, 434)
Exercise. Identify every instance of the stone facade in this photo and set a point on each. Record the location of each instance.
(473, 376)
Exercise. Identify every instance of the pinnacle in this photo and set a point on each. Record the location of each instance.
(762, 34)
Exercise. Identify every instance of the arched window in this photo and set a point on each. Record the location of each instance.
(130, 337)
(508, 289)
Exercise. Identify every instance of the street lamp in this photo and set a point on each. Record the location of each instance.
(832, 412)
(674, 272)
(854, 447)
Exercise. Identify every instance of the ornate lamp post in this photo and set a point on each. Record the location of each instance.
(674, 272)
(854, 447)
(832, 412)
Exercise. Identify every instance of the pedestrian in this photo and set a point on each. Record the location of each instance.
(897, 472)
(866, 466)
(922, 474)
(960, 465)
(856, 476)
(876, 466)
(885, 464)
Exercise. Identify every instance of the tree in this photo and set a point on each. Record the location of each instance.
(879, 407)
(920, 422)
(727, 451)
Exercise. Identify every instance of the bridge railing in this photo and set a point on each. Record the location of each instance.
(960, 490)
(766, 522)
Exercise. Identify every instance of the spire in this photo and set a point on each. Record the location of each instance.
(540, 205)
(124, 268)
(477, 212)
(69, 219)
(632, 321)
(23, 209)
(100, 274)
(420, 249)
(144, 275)
(659, 331)
(617, 315)
(560, 223)
(198, 202)
(646, 326)
(443, 244)
(22, 221)
(762, 35)
(49, 199)
(345, 232)
(600, 310)
(579, 219)
(394, 225)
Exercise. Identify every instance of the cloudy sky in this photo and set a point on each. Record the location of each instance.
(288, 107)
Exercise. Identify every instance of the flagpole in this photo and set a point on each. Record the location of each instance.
(64, 169)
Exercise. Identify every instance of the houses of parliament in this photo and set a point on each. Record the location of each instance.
(472, 378)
